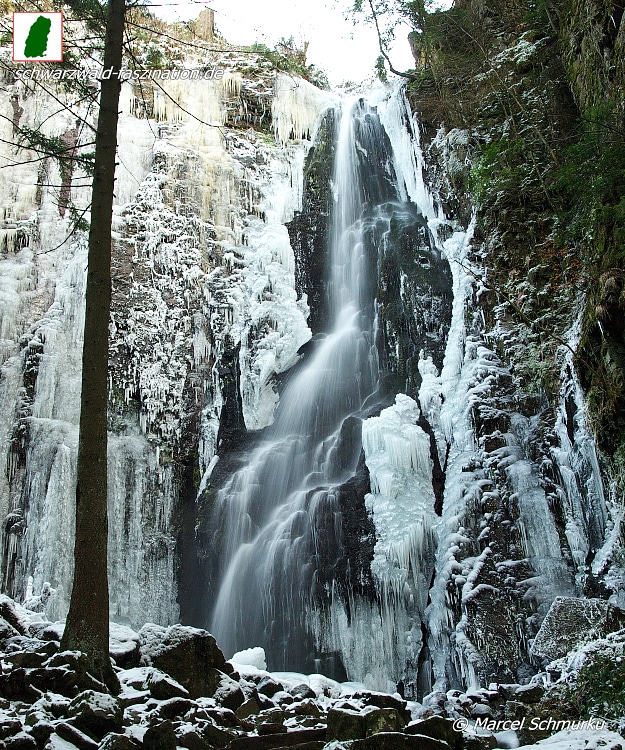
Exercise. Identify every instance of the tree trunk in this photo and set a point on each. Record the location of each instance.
(87, 627)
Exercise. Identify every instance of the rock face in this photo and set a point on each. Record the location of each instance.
(572, 622)
(476, 494)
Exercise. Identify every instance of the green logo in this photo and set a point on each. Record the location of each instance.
(37, 39)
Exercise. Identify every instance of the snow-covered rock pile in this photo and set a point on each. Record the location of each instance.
(177, 690)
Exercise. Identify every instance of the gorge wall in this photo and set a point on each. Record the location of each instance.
(477, 494)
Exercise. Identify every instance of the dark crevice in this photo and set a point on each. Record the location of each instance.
(438, 475)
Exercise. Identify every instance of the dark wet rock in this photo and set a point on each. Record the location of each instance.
(384, 700)
(250, 707)
(7, 630)
(53, 631)
(21, 741)
(438, 728)
(308, 707)
(480, 710)
(269, 742)
(529, 693)
(69, 732)
(41, 731)
(174, 708)
(383, 720)
(269, 687)
(26, 659)
(115, 741)
(271, 727)
(97, 714)
(507, 690)
(160, 736)
(189, 737)
(224, 717)
(9, 724)
(24, 643)
(162, 687)
(216, 736)
(8, 614)
(124, 646)
(346, 724)
(16, 686)
(190, 655)
(302, 692)
(479, 742)
(397, 741)
(229, 693)
(283, 698)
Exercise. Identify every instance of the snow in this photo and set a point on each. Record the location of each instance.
(580, 739)
(252, 657)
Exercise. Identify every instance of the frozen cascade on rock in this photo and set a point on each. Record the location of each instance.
(333, 547)
(185, 193)
(278, 521)
(266, 511)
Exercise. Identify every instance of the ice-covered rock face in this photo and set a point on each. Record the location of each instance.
(468, 508)
(202, 265)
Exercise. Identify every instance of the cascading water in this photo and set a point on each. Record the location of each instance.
(269, 515)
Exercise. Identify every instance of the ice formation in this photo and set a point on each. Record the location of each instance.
(204, 294)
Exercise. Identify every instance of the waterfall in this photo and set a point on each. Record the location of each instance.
(286, 579)
(269, 514)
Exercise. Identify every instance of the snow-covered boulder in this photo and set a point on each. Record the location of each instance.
(124, 645)
(571, 622)
(96, 713)
(190, 655)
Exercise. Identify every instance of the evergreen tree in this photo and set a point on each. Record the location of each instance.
(87, 627)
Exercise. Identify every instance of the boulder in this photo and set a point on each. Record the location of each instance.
(571, 622)
(228, 693)
(16, 686)
(115, 741)
(383, 720)
(438, 728)
(302, 692)
(9, 724)
(529, 693)
(397, 741)
(271, 727)
(480, 710)
(41, 731)
(21, 741)
(249, 708)
(190, 655)
(163, 687)
(124, 646)
(97, 714)
(345, 724)
(269, 687)
(10, 613)
(26, 659)
(7, 630)
(174, 708)
(384, 700)
(160, 736)
(215, 736)
(295, 739)
(187, 736)
(72, 734)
